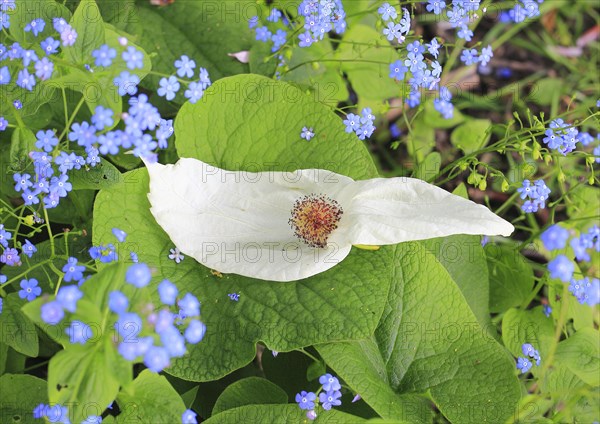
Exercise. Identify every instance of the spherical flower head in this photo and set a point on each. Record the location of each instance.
(168, 292)
(117, 302)
(139, 275)
(555, 237)
(29, 289)
(306, 400)
(189, 305)
(52, 312)
(330, 399)
(79, 332)
(73, 272)
(119, 234)
(329, 382)
(195, 331)
(524, 365)
(562, 268)
(188, 417)
(156, 359)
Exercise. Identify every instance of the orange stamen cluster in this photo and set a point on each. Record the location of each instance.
(314, 217)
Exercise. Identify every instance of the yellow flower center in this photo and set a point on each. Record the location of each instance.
(314, 217)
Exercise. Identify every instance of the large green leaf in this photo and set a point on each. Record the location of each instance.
(149, 399)
(16, 330)
(511, 277)
(581, 354)
(205, 32)
(249, 391)
(428, 341)
(366, 56)
(20, 394)
(257, 132)
(88, 23)
(289, 413)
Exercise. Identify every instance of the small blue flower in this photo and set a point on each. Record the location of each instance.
(387, 12)
(168, 292)
(306, 39)
(185, 67)
(156, 358)
(28, 248)
(102, 117)
(305, 400)
(469, 56)
(10, 257)
(44, 69)
(190, 306)
(330, 399)
(79, 332)
(234, 296)
(263, 34)
(18, 104)
(73, 272)
(274, 16)
(36, 26)
(392, 31)
(4, 20)
(4, 75)
(60, 185)
(352, 122)
(252, 22)
(524, 365)
(329, 383)
(92, 419)
(25, 80)
(29, 289)
(195, 331)
(50, 46)
(127, 83)
(68, 296)
(279, 39)
(139, 275)
(398, 70)
(580, 246)
(104, 55)
(168, 87)
(118, 302)
(194, 92)
(433, 47)
(129, 325)
(3, 123)
(46, 140)
(307, 133)
(4, 236)
(562, 268)
(133, 58)
(68, 36)
(555, 237)
(188, 417)
(119, 234)
(486, 55)
(52, 312)
(435, 6)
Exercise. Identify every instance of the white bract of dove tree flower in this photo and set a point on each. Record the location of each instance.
(284, 226)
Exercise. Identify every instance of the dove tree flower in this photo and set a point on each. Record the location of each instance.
(284, 226)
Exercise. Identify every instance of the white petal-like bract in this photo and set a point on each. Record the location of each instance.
(240, 222)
